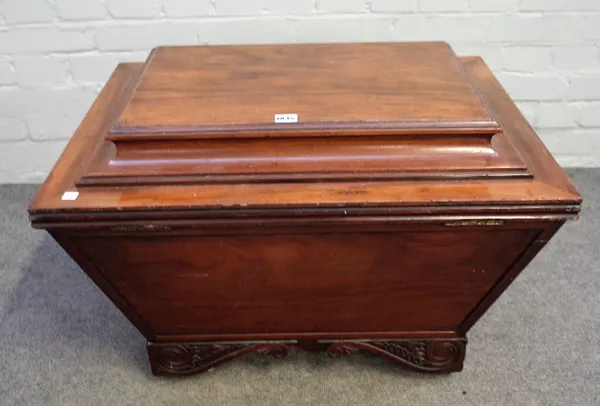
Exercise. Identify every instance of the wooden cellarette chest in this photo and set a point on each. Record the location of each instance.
(335, 197)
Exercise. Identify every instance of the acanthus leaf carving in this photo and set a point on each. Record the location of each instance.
(190, 358)
(434, 355)
(427, 356)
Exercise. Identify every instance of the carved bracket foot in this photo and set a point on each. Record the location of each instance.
(432, 355)
(192, 358)
(425, 356)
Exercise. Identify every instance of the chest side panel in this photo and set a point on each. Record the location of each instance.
(306, 283)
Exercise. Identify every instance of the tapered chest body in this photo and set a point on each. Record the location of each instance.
(341, 197)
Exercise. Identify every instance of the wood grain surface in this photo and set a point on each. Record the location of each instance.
(345, 89)
(388, 220)
(86, 152)
(290, 283)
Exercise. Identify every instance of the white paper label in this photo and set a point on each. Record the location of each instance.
(286, 118)
(70, 195)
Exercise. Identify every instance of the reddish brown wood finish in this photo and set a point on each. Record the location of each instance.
(421, 355)
(298, 159)
(220, 237)
(432, 124)
(328, 281)
(198, 90)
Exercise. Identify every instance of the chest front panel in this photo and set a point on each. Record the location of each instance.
(309, 283)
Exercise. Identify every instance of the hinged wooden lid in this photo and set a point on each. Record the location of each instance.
(335, 89)
(392, 129)
(363, 112)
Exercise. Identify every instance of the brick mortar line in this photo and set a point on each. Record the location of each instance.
(374, 14)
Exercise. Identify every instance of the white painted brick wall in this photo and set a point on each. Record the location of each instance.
(255, 31)
(8, 76)
(494, 5)
(434, 6)
(527, 59)
(34, 11)
(556, 115)
(585, 87)
(81, 10)
(589, 115)
(13, 129)
(186, 8)
(125, 37)
(393, 6)
(55, 55)
(91, 68)
(574, 57)
(55, 71)
(132, 8)
(591, 28)
(45, 39)
(342, 6)
(531, 87)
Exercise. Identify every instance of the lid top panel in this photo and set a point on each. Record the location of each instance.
(334, 88)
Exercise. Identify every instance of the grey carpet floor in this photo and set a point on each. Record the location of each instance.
(63, 343)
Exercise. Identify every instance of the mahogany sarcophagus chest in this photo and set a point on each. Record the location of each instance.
(335, 197)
